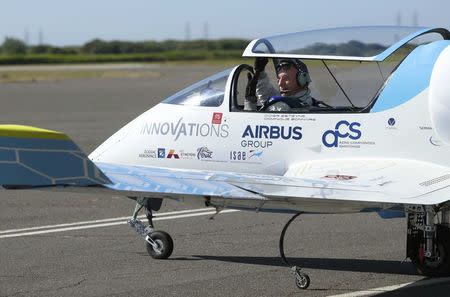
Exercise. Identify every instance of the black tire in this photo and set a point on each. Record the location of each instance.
(441, 265)
(165, 245)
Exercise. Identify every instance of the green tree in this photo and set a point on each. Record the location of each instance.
(13, 46)
(96, 46)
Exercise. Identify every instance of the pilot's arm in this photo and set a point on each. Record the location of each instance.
(250, 102)
(259, 89)
(264, 89)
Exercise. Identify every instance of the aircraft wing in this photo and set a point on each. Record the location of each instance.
(36, 158)
(359, 185)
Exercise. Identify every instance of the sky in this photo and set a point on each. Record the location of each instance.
(62, 23)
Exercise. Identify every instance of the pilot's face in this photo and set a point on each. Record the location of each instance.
(287, 80)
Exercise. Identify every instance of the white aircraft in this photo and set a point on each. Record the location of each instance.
(379, 143)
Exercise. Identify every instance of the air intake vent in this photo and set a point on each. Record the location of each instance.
(434, 180)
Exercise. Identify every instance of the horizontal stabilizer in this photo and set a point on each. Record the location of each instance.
(34, 157)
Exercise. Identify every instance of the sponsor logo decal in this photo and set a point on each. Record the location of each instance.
(217, 118)
(255, 154)
(251, 155)
(261, 136)
(256, 143)
(436, 142)
(391, 124)
(238, 156)
(148, 154)
(425, 128)
(181, 128)
(204, 153)
(184, 155)
(272, 132)
(339, 176)
(172, 154)
(161, 153)
(342, 130)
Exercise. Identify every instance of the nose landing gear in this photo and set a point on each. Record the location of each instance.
(159, 243)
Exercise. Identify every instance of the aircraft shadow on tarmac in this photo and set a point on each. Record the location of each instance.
(355, 265)
(425, 289)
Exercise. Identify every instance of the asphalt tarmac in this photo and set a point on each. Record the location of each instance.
(235, 254)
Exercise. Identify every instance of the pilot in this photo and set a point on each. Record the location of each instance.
(293, 87)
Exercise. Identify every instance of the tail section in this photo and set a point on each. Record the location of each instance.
(34, 157)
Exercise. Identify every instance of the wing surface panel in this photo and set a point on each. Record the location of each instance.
(397, 178)
(170, 181)
(309, 191)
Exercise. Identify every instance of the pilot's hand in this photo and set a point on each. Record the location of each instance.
(260, 64)
(250, 89)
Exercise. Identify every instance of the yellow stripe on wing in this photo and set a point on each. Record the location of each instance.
(20, 131)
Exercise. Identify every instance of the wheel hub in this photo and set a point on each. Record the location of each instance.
(159, 246)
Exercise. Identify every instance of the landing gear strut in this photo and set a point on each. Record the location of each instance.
(301, 279)
(159, 243)
(428, 243)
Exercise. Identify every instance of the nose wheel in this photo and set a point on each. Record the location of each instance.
(302, 280)
(159, 244)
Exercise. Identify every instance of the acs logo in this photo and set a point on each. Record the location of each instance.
(343, 129)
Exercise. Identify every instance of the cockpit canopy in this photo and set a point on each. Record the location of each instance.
(348, 66)
(348, 43)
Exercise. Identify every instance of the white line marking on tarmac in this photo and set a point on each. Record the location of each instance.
(102, 221)
(107, 222)
(373, 291)
(376, 291)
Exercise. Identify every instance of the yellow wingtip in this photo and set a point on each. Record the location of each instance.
(20, 131)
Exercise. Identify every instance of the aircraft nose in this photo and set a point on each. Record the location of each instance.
(439, 96)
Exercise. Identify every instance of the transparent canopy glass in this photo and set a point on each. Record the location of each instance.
(366, 43)
(207, 92)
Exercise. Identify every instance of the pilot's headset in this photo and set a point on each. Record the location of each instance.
(303, 78)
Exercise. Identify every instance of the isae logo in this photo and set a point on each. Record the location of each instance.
(343, 129)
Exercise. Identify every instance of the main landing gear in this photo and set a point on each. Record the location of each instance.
(428, 240)
(159, 243)
(301, 279)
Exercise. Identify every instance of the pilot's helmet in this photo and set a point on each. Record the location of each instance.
(303, 78)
